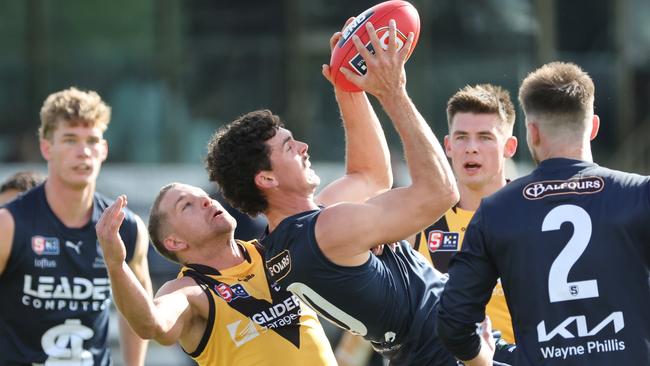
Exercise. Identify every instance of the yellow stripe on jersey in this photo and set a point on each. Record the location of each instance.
(237, 339)
(454, 224)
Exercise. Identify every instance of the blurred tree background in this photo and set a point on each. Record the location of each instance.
(174, 71)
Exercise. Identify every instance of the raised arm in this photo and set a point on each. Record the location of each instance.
(367, 161)
(346, 231)
(176, 313)
(134, 348)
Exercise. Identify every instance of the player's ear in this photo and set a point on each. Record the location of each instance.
(447, 146)
(595, 126)
(174, 244)
(532, 131)
(265, 180)
(510, 147)
(104, 149)
(45, 145)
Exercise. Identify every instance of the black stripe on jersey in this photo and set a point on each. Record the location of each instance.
(210, 325)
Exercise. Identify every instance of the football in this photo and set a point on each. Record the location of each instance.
(345, 53)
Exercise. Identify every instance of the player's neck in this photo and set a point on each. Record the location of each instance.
(470, 197)
(72, 206)
(221, 255)
(581, 151)
(282, 206)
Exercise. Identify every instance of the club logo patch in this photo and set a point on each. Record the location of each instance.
(584, 185)
(230, 293)
(280, 265)
(45, 246)
(443, 241)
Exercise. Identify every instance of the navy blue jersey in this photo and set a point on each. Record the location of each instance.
(571, 244)
(389, 299)
(55, 290)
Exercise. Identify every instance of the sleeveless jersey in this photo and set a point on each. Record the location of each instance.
(570, 242)
(253, 321)
(438, 242)
(55, 289)
(389, 300)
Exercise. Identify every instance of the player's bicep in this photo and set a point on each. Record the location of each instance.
(177, 303)
(349, 229)
(7, 227)
(349, 188)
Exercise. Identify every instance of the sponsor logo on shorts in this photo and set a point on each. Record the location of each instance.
(584, 185)
(230, 293)
(45, 246)
(443, 241)
(280, 265)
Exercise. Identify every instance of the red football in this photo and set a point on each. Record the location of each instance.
(345, 54)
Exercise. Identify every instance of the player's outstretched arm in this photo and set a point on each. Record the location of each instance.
(346, 231)
(7, 227)
(134, 348)
(163, 319)
(367, 162)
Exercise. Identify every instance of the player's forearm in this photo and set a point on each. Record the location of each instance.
(460, 339)
(133, 301)
(430, 171)
(366, 148)
(134, 348)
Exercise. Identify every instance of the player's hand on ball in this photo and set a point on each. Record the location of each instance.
(108, 233)
(385, 74)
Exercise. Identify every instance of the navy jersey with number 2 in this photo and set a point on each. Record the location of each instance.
(571, 244)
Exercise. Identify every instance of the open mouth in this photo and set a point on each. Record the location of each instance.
(218, 213)
(82, 168)
(472, 166)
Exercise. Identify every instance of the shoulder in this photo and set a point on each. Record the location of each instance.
(625, 179)
(6, 219)
(7, 227)
(292, 226)
(184, 284)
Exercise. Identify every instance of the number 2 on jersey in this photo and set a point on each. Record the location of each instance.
(559, 289)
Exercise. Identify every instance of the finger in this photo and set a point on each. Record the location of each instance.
(372, 33)
(351, 76)
(326, 72)
(347, 22)
(406, 50)
(392, 36)
(361, 48)
(334, 39)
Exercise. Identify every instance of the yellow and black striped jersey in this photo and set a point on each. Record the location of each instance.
(253, 321)
(438, 242)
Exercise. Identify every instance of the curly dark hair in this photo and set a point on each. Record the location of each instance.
(22, 181)
(236, 153)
